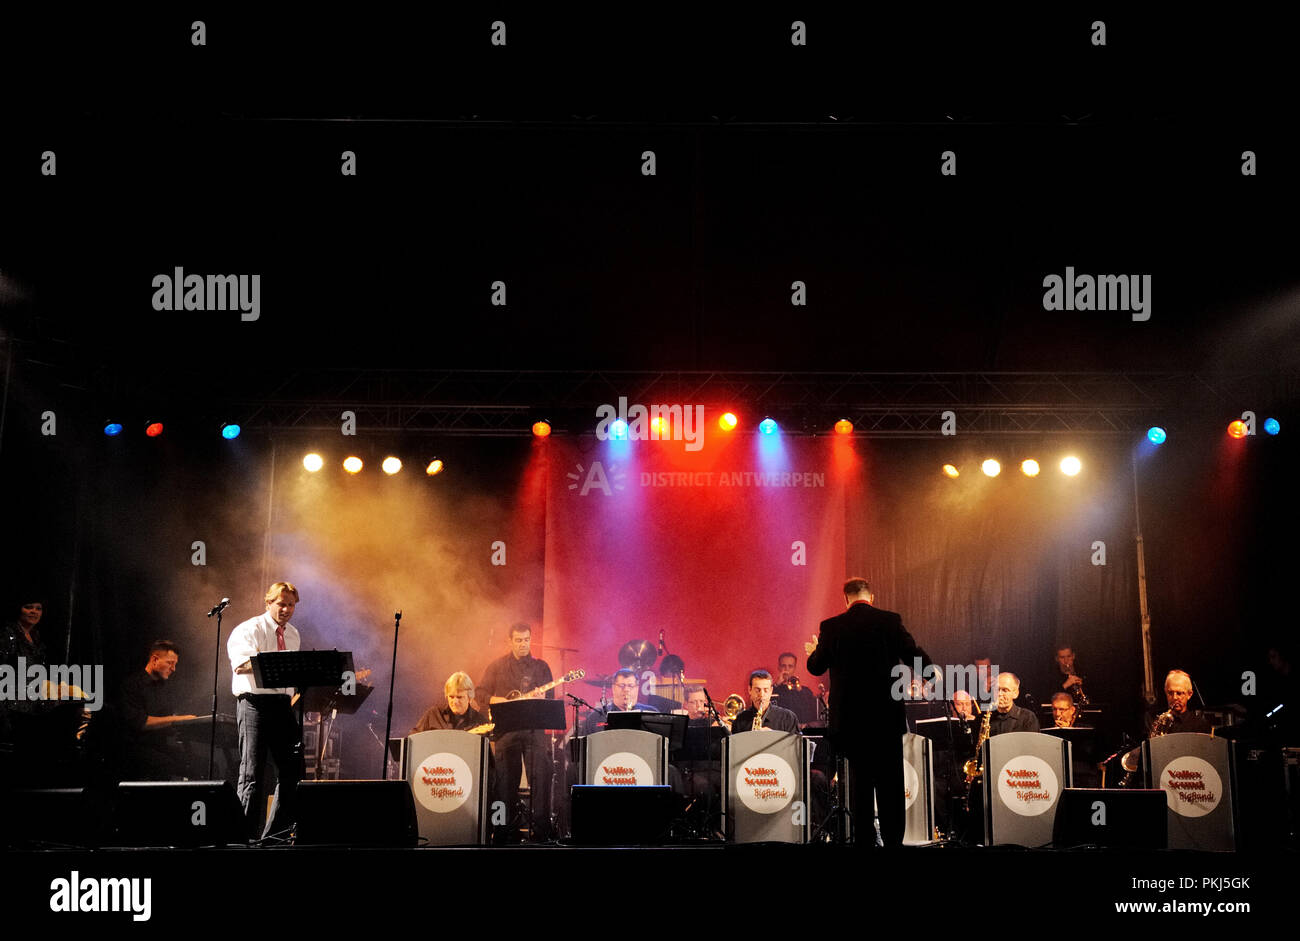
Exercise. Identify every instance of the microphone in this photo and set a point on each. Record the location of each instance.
(220, 606)
(661, 641)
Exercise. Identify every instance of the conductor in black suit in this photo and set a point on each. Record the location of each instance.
(861, 648)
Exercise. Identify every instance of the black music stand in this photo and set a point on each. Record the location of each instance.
(300, 669)
(529, 715)
(524, 715)
(332, 701)
(668, 725)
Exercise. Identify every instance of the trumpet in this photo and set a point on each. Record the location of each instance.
(732, 706)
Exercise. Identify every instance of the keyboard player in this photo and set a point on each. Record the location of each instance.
(148, 715)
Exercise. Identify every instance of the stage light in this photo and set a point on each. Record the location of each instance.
(112, 428)
(991, 468)
(153, 429)
(1237, 429)
(1071, 466)
(541, 428)
(435, 467)
(230, 431)
(1029, 467)
(1156, 434)
(1272, 426)
(352, 464)
(728, 421)
(951, 471)
(391, 465)
(767, 426)
(844, 427)
(618, 430)
(313, 462)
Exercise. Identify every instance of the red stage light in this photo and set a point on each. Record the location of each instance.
(728, 421)
(844, 427)
(657, 425)
(154, 429)
(541, 428)
(1237, 429)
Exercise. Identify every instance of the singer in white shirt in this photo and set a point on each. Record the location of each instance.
(265, 720)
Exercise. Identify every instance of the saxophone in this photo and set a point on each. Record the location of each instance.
(974, 770)
(1163, 725)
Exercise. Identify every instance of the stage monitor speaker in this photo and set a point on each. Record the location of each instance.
(177, 813)
(626, 815)
(356, 813)
(1127, 819)
(45, 817)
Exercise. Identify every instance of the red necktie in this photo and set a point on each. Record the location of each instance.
(279, 637)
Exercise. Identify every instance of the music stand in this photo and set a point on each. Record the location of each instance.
(668, 725)
(331, 701)
(529, 715)
(523, 715)
(299, 669)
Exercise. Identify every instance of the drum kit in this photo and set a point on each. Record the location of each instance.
(639, 656)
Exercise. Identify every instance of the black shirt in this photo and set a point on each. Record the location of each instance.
(507, 674)
(781, 720)
(441, 717)
(1016, 720)
(1188, 722)
(142, 697)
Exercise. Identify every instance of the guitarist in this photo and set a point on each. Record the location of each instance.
(520, 672)
(457, 713)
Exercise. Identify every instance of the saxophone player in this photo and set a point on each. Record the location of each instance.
(1179, 717)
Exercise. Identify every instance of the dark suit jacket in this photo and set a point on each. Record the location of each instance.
(781, 720)
(860, 648)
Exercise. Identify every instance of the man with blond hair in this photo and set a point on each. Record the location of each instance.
(456, 713)
(265, 718)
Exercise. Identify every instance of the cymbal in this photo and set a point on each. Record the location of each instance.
(599, 680)
(637, 654)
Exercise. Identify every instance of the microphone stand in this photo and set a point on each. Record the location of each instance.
(392, 679)
(578, 703)
(216, 667)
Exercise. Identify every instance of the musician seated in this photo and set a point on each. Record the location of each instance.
(762, 714)
(1179, 717)
(789, 693)
(963, 705)
(1065, 714)
(457, 712)
(148, 713)
(624, 691)
(1008, 717)
(696, 707)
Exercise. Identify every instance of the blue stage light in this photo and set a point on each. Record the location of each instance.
(1156, 434)
(618, 430)
(1272, 426)
(113, 429)
(767, 426)
(230, 431)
